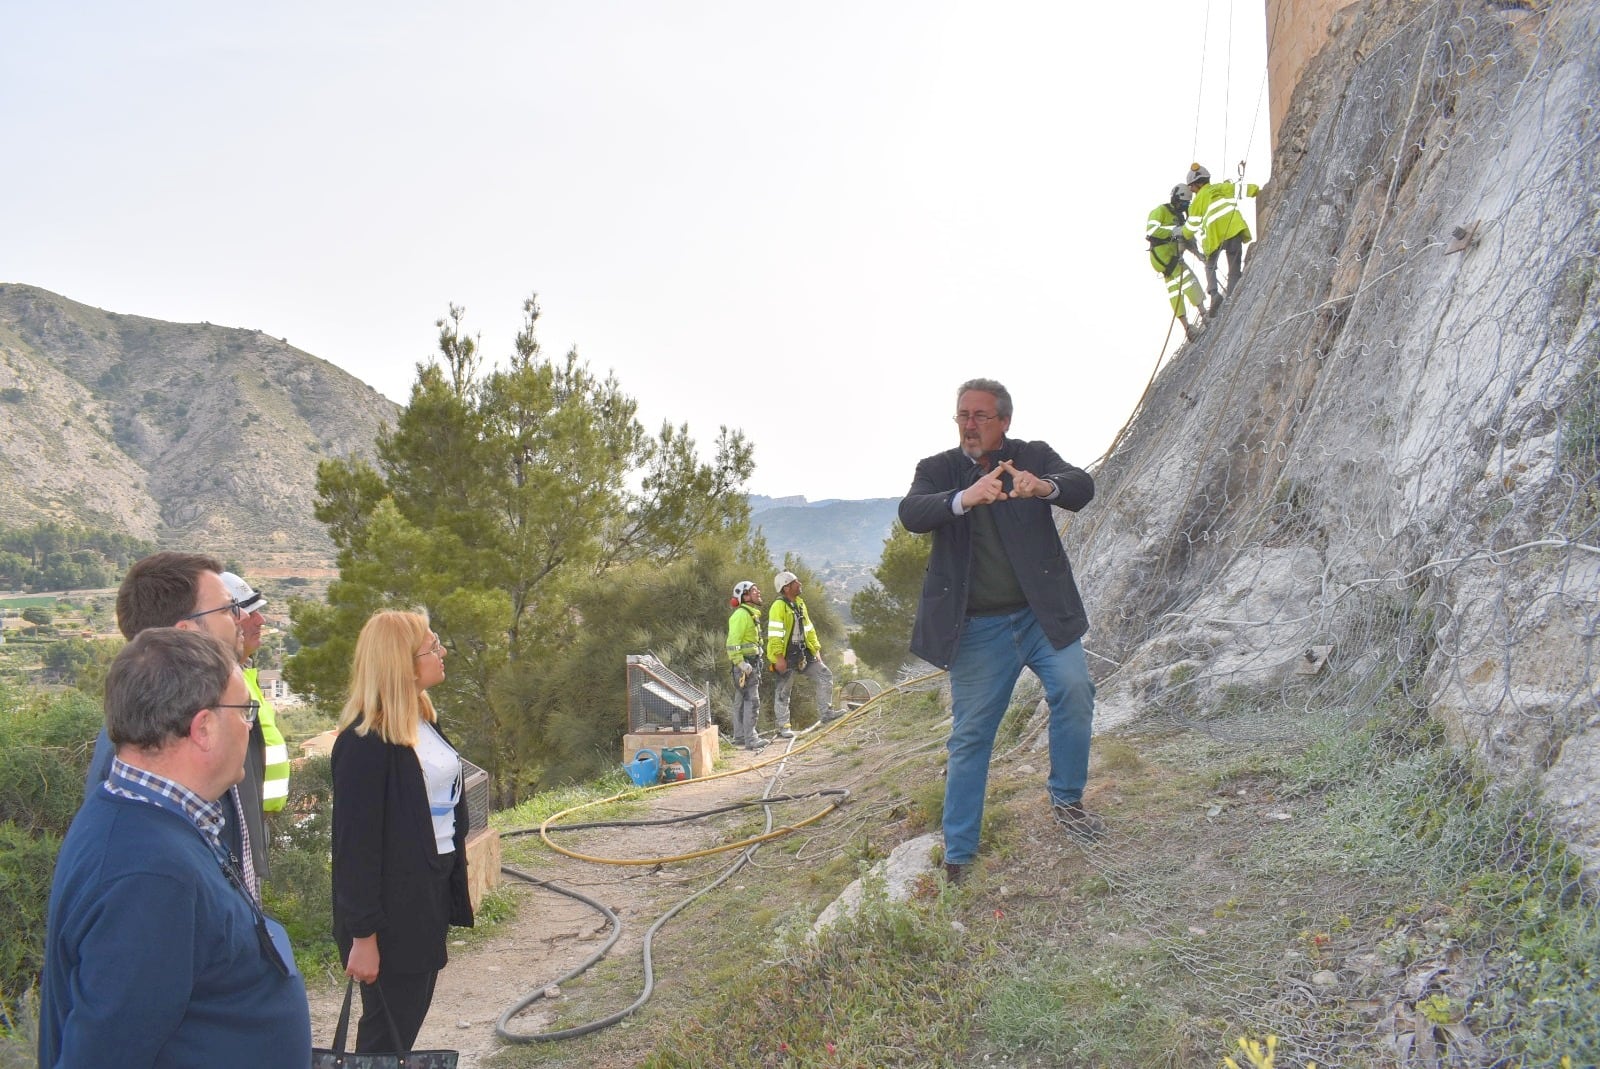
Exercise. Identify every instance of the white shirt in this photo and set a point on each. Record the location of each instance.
(441, 773)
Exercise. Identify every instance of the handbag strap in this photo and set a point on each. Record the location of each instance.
(342, 1031)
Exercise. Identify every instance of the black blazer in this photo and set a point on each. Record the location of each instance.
(1027, 531)
(388, 875)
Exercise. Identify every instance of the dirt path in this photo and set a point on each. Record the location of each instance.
(551, 933)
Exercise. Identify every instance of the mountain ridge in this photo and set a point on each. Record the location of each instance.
(198, 436)
(188, 434)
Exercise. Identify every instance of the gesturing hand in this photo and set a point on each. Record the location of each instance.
(989, 489)
(986, 491)
(1026, 483)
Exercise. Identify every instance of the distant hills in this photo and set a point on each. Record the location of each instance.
(197, 436)
(842, 541)
(187, 434)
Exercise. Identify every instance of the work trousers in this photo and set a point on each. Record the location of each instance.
(1234, 249)
(746, 703)
(991, 655)
(814, 670)
(1180, 284)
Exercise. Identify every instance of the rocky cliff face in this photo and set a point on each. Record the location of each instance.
(195, 436)
(1388, 443)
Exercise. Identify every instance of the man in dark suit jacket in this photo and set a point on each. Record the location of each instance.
(186, 591)
(999, 596)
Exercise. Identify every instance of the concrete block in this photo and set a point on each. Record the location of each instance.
(483, 863)
(702, 746)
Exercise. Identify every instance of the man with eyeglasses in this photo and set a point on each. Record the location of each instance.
(999, 596)
(155, 952)
(185, 590)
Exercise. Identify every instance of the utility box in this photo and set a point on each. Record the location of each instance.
(475, 785)
(483, 842)
(664, 709)
(659, 700)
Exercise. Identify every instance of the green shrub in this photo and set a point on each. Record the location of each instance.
(299, 892)
(27, 862)
(45, 745)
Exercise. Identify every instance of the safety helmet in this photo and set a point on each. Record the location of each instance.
(783, 579)
(1196, 173)
(1181, 196)
(241, 592)
(741, 589)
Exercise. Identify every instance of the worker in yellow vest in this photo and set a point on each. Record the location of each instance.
(267, 743)
(1215, 216)
(1163, 232)
(793, 648)
(745, 647)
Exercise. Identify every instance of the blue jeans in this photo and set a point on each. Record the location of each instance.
(991, 655)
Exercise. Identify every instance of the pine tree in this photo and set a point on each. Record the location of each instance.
(496, 498)
(885, 611)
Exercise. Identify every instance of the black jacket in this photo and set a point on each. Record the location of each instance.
(1027, 530)
(388, 874)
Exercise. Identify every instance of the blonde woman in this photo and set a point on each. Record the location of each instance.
(399, 829)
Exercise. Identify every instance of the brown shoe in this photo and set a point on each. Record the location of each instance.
(1079, 822)
(953, 873)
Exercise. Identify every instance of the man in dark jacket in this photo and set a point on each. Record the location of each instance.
(998, 596)
(186, 591)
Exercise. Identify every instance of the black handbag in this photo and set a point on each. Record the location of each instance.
(338, 1058)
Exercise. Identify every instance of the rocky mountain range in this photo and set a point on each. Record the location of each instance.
(188, 434)
(194, 435)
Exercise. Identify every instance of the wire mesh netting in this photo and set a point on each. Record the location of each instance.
(1368, 501)
(660, 700)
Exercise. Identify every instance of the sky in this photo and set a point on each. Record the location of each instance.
(807, 222)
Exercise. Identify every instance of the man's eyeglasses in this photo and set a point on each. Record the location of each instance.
(248, 711)
(435, 649)
(232, 606)
(980, 418)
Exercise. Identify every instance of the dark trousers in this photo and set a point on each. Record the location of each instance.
(408, 996)
(1234, 248)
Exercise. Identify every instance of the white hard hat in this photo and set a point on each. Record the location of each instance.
(241, 592)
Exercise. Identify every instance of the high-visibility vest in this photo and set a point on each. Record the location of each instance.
(1214, 214)
(744, 633)
(780, 629)
(275, 775)
(1165, 227)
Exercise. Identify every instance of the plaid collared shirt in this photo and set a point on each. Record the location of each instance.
(204, 815)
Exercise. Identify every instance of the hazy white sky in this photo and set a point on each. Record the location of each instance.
(810, 222)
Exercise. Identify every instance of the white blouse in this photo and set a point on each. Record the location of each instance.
(441, 772)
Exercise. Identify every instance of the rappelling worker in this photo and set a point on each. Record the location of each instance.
(745, 645)
(1163, 231)
(1214, 215)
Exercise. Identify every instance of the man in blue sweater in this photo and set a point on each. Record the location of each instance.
(156, 954)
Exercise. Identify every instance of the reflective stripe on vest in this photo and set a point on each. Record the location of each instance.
(275, 773)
